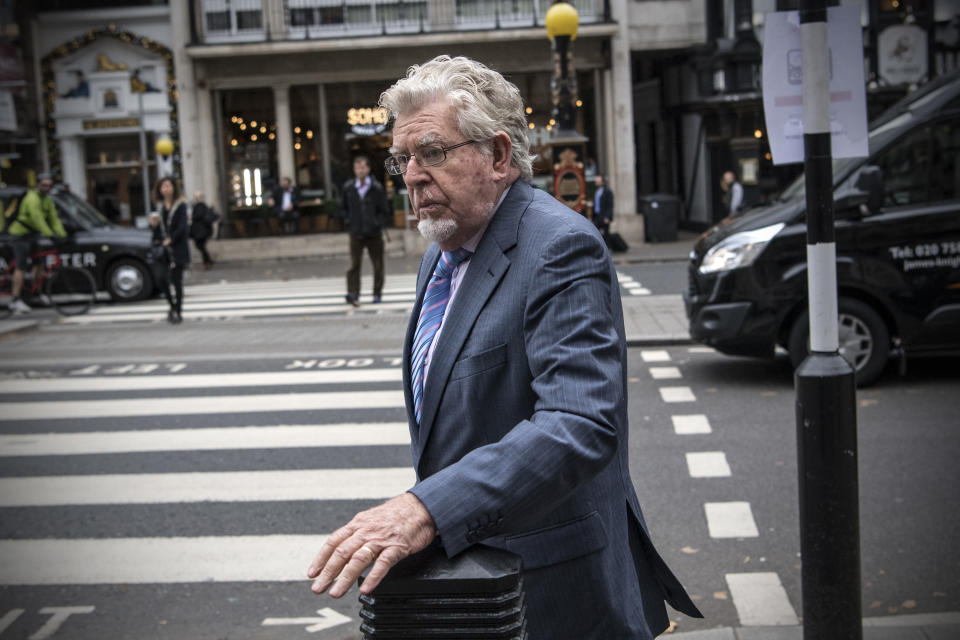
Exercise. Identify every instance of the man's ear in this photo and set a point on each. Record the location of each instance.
(502, 153)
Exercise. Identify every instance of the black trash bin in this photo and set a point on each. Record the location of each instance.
(661, 211)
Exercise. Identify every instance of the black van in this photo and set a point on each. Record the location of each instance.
(898, 250)
(118, 258)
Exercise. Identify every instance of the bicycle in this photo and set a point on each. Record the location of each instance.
(69, 290)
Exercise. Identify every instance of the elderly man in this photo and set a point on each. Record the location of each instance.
(514, 375)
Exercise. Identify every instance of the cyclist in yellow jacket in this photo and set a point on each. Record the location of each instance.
(36, 217)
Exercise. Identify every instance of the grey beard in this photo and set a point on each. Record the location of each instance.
(437, 230)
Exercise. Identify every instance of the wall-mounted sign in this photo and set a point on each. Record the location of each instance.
(8, 112)
(367, 121)
(902, 54)
(367, 115)
(111, 123)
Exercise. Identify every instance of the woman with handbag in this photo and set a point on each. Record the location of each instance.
(176, 227)
(161, 255)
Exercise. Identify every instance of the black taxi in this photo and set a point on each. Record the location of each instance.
(118, 258)
(897, 225)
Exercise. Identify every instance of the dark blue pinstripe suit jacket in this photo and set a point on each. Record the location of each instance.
(523, 442)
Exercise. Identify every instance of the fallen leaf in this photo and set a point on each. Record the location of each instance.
(868, 402)
(892, 609)
(711, 389)
(876, 604)
(746, 560)
(689, 549)
(882, 572)
(719, 595)
(696, 597)
(909, 604)
(672, 627)
(633, 379)
(939, 594)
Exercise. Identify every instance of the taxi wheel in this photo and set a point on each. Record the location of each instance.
(863, 338)
(129, 280)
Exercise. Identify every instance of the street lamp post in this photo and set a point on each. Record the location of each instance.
(567, 144)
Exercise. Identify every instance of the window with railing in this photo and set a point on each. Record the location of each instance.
(232, 20)
(240, 20)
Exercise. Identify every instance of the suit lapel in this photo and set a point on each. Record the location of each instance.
(487, 268)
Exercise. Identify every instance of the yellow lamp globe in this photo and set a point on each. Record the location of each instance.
(164, 146)
(562, 20)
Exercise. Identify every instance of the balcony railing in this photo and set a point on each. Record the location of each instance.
(231, 21)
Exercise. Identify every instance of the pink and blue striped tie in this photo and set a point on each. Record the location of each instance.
(431, 315)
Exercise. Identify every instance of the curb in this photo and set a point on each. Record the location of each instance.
(919, 626)
(15, 327)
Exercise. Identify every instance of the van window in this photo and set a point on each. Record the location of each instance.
(906, 169)
(922, 167)
(945, 178)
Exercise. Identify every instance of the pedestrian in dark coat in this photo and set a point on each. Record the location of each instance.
(174, 218)
(201, 226)
(602, 206)
(161, 255)
(365, 210)
(285, 200)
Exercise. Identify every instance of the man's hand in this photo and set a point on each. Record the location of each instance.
(385, 535)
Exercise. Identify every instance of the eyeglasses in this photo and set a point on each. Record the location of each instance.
(429, 155)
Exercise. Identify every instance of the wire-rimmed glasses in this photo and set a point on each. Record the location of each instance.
(429, 155)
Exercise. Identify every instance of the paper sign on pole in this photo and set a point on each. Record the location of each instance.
(783, 84)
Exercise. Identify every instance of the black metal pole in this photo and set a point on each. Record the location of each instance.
(825, 383)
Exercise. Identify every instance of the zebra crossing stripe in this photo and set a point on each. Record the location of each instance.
(276, 558)
(376, 483)
(199, 381)
(271, 302)
(251, 312)
(730, 520)
(206, 439)
(251, 403)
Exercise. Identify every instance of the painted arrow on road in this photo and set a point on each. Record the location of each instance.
(328, 618)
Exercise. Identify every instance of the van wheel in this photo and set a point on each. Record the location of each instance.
(129, 280)
(864, 340)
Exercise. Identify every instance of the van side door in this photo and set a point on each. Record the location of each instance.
(910, 247)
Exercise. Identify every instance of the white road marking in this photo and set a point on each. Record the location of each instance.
(677, 394)
(665, 373)
(197, 381)
(328, 618)
(255, 311)
(280, 558)
(251, 403)
(761, 600)
(655, 356)
(58, 615)
(206, 439)
(642, 291)
(701, 350)
(708, 464)
(227, 486)
(691, 424)
(730, 520)
(9, 618)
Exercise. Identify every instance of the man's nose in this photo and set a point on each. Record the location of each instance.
(414, 174)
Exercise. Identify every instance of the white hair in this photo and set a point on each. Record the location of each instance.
(484, 100)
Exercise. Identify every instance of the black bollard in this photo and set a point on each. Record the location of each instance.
(476, 595)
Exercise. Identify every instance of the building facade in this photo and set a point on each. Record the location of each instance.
(251, 91)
